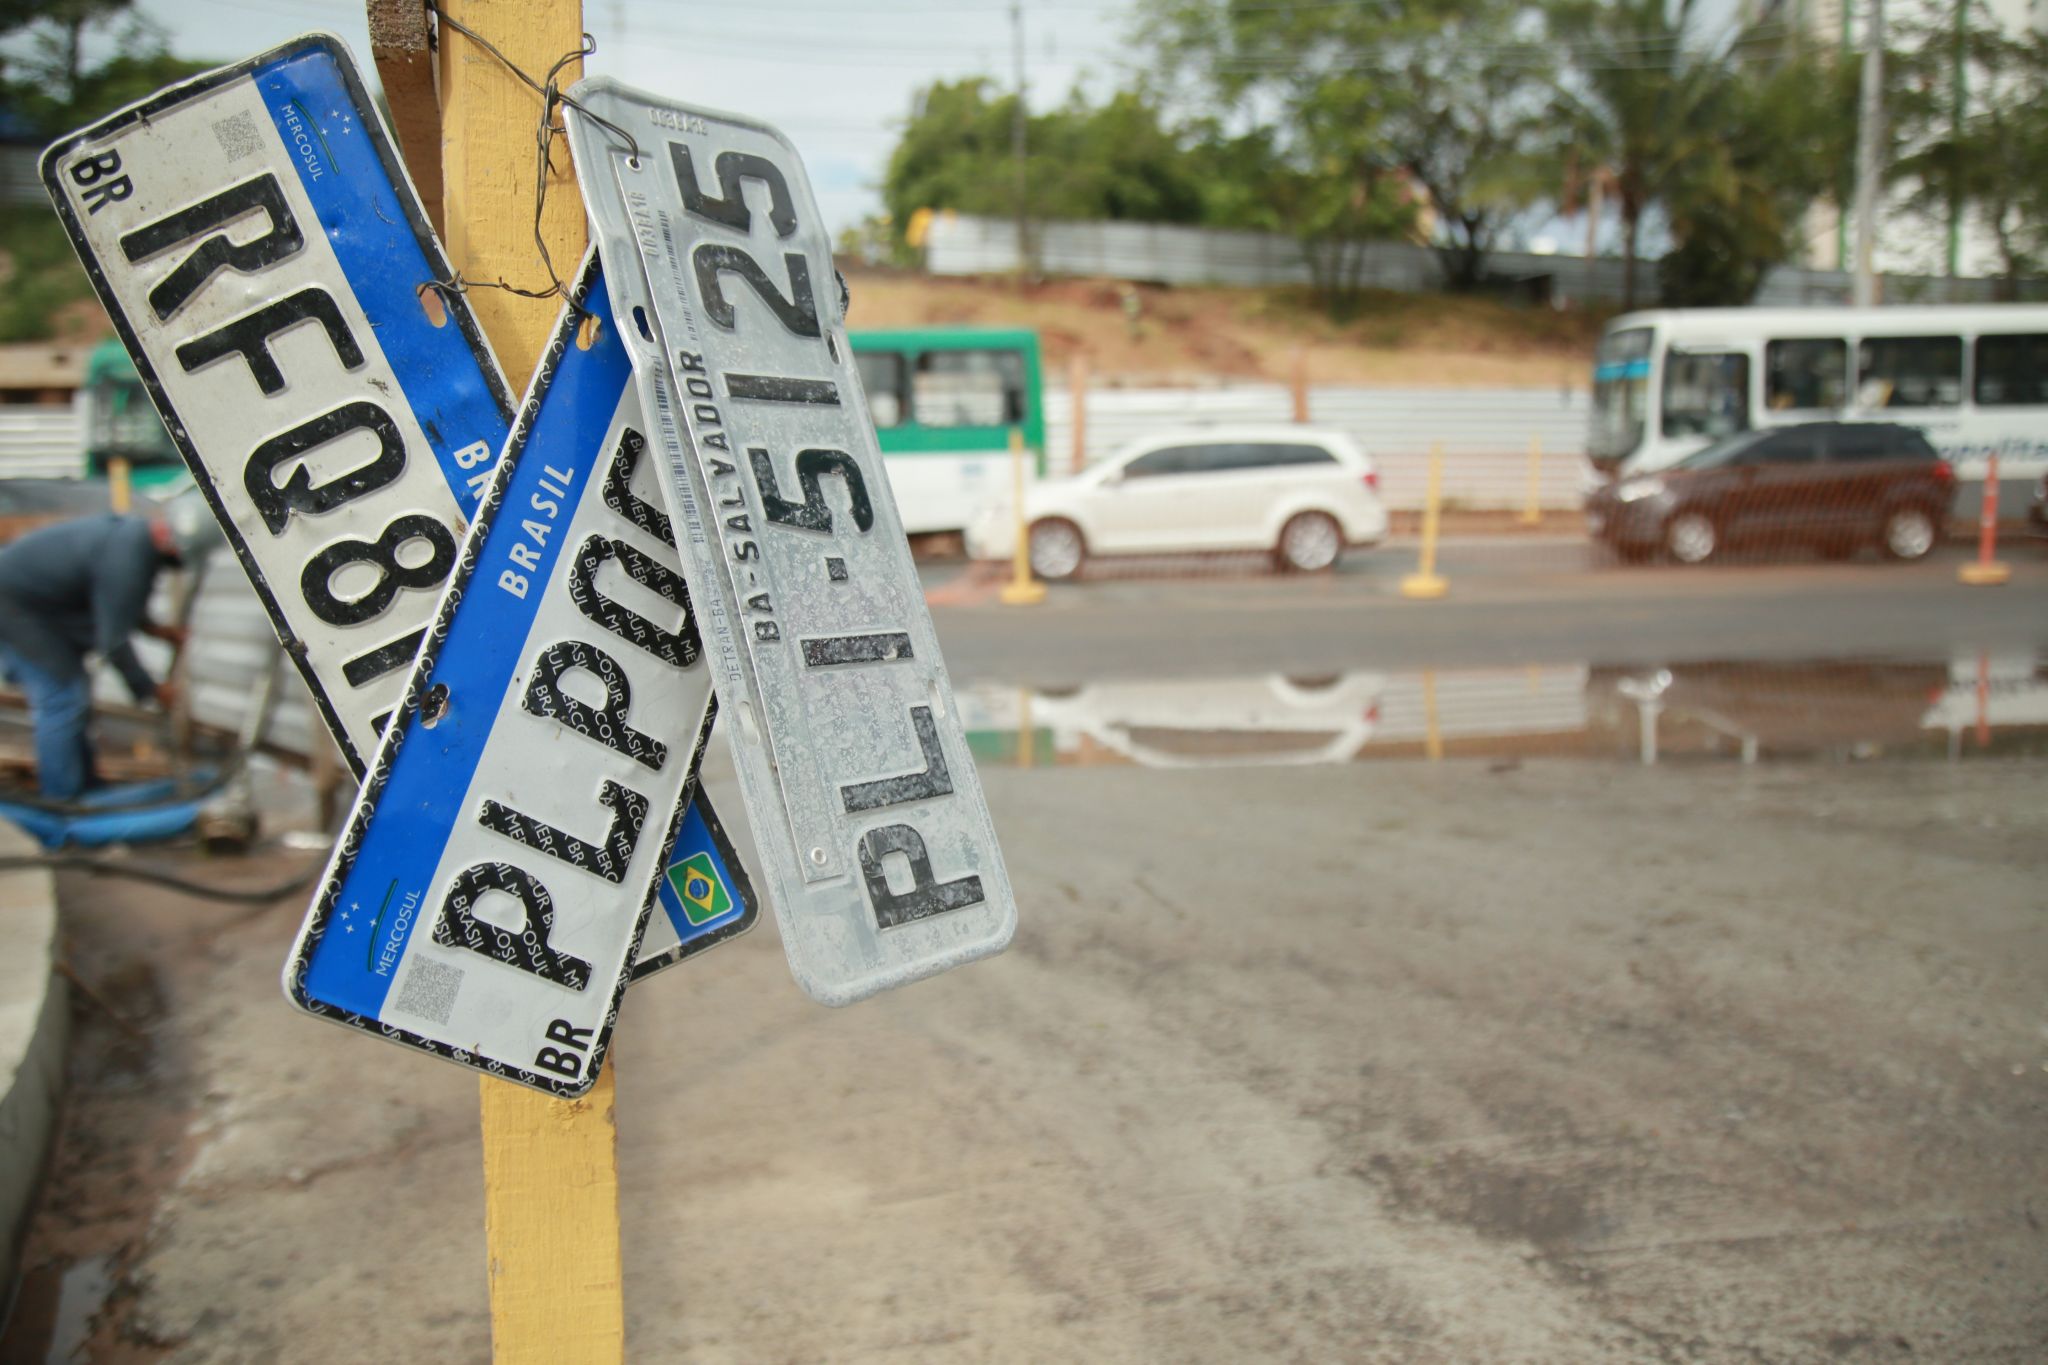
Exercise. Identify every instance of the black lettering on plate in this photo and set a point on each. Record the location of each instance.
(811, 467)
(798, 312)
(316, 583)
(934, 780)
(927, 896)
(275, 503)
(677, 647)
(730, 208)
(768, 388)
(248, 336)
(609, 861)
(216, 253)
(607, 724)
(619, 494)
(883, 647)
(461, 927)
(374, 664)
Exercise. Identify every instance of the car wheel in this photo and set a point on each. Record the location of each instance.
(1692, 538)
(1309, 543)
(1909, 533)
(1056, 548)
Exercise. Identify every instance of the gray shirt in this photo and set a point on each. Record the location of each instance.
(80, 587)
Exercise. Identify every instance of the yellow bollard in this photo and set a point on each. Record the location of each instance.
(1432, 727)
(1425, 582)
(120, 488)
(1021, 590)
(1532, 510)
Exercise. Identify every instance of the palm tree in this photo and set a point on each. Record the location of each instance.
(1635, 98)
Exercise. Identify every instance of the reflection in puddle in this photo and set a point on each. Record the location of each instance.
(1990, 702)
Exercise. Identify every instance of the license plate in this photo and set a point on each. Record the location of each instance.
(255, 239)
(490, 890)
(876, 844)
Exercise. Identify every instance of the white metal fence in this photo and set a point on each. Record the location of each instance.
(41, 442)
(964, 245)
(1486, 433)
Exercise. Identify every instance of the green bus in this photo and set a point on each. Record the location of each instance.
(121, 423)
(944, 400)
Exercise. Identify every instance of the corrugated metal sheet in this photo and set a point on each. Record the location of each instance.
(1485, 432)
(39, 442)
(965, 245)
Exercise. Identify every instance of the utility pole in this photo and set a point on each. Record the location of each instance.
(1869, 131)
(1017, 140)
(1960, 92)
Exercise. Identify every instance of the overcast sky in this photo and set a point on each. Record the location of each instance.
(836, 77)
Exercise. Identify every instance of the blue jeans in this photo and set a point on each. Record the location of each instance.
(60, 707)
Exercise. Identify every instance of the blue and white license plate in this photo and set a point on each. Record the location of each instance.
(490, 889)
(876, 845)
(254, 237)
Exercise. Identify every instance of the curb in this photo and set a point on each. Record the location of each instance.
(34, 1027)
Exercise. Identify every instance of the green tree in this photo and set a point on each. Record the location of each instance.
(46, 79)
(1116, 160)
(1724, 139)
(1435, 104)
(1992, 161)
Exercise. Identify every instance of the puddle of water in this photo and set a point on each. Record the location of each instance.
(1974, 703)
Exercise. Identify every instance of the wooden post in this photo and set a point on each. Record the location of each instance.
(1298, 382)
(1077, 393)
(551, 1182)
(405, 66)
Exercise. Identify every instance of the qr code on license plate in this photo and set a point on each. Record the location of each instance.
(429, 990)
(237, 136)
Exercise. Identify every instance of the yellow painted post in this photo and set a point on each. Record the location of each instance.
(1077, 394)
(120, 489)
(1021, 590)
(1425, 582)
(1432, 730)
(1532, 508)
(551, 1181)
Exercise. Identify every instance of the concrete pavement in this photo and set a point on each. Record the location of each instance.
(1570, 1062)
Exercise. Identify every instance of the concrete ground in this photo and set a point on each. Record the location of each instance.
(1560, 1061)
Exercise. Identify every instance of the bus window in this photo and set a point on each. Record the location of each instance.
(2012, 371)
(1805, 375)
(971, 388)
(1621, 393)
(882, 374)
(1705, 393)
(1909, 372)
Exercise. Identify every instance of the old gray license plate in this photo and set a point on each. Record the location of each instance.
(877, 848)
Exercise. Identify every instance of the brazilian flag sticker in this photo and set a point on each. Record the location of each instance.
(697, 883)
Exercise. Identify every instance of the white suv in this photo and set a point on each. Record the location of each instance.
(1301, 493)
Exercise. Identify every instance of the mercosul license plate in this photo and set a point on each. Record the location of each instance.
(877, 848)
(494, 878)
(255, 239)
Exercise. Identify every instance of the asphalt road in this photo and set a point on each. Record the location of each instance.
(1575, 1062)
(1510, 602)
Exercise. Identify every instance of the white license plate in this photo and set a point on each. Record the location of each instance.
(490, 890)
(255, 239)
(876, 845)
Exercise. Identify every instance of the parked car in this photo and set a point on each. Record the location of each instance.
(1301, 493)
(1835, 485)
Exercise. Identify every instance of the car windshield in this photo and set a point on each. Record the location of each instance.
(1721, 452)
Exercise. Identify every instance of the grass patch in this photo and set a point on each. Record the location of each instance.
(40, 278)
